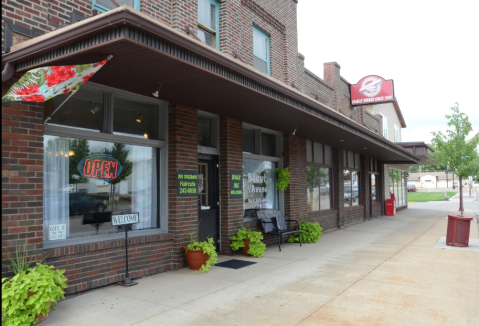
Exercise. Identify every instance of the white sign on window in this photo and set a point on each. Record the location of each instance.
(57, 232)
(125, 219)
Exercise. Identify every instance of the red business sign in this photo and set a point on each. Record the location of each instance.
(371, 90)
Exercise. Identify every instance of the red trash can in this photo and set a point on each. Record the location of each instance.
(458, 228)
(390, 207)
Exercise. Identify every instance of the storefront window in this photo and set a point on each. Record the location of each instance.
(135, 119)
(319, 188)
(351, 188)
(374, 182)
(86, 182)
(259, 184)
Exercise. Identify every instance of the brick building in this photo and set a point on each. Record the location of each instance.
(231, 93)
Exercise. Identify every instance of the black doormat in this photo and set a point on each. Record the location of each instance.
(235, 263)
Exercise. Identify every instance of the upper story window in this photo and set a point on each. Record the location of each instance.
(208, 22)
(397, 136)
(261, 50)
(105, 5)
(385, 125)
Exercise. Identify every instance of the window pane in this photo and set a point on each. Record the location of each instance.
(313, 188)
(84, 110)
(204, 131)
(357, 161)
(328, 154)
(355, 187)
(85, 182)
(347, 187)
(268, 144)
(260, 64)
(206, 14)
(318, 152)
(133, 118)
(309, 150)
(374, 196)
(108, 4)
(206, 37)
(260, 47)
(249, 141)
(350, 159)
(259, 184)
(324, 188)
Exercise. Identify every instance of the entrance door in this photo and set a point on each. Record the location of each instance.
(208, 199)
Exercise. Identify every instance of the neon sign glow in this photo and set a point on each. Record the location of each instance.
(100, 166)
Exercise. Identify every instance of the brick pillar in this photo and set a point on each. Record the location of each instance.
(338, 160)
(332, 75)
(295, 196)
(231, 158)
(22, 178)
(182, 154)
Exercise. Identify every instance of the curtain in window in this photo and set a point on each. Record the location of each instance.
(56, 184)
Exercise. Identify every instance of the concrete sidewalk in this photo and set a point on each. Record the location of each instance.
(380, 272)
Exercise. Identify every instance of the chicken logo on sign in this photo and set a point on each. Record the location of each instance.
(371, 86)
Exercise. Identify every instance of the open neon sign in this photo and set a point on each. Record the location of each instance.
(100, 166)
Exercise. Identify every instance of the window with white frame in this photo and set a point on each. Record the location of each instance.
(208, 22)
(102, 155)
(397, 136)
(385, 125)
(105, 5)
(261, 50)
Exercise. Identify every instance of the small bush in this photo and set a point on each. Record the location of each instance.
(310, 232)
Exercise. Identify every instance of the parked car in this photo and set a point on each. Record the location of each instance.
(348, 195)
(411, 188)
(85, 203)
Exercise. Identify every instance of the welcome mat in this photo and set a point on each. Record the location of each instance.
(235, 263)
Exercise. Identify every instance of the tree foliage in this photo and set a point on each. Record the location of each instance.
(454, 148)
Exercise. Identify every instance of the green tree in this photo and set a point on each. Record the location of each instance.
(120, 152)
(455, 149)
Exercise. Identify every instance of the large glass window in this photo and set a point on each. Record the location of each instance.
(319, 188)
(86, 181)
(398, 187)
(319, 172)
(259, 184)
(352, 189)
(208, 22)
(260, 50)
(101, 158)
(105, 5)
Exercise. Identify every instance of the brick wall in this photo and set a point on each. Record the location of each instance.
(22, 178)
(294, 157)
(231, 158)
(182, 154)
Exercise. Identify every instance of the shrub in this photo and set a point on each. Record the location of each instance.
(310, 232)
(256, 246)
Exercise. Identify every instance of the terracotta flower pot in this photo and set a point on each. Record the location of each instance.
(196, 258)
(246, 247)
(41, 318)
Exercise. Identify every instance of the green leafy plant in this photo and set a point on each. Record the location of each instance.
(310, 232)
(29, 294)
(19, 261)
(256, 246)
(208, 248)
(283, 178)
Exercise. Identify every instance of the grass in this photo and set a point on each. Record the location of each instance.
(428, 196)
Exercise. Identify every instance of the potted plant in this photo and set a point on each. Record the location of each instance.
(283, 178)
(201, 255)
(250, 241)
(310, 232)
(28, 296)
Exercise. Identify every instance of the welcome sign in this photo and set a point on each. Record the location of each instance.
(124, 219)
(100, 166)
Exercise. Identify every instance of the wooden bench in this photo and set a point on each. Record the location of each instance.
(273, 222)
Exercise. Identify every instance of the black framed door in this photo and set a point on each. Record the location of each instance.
(208, 198)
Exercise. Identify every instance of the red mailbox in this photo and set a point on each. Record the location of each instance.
(390, 207)
(458, 228)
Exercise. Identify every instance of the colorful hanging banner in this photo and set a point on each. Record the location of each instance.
(42, 84)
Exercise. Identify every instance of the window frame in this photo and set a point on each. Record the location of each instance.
(258, 143)
(106, 134)
(322, 165)
(215, 134)
(360, 175)
(396, 134)
(385, 125)
(136, 6)
(217, 23)
(267, 37)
